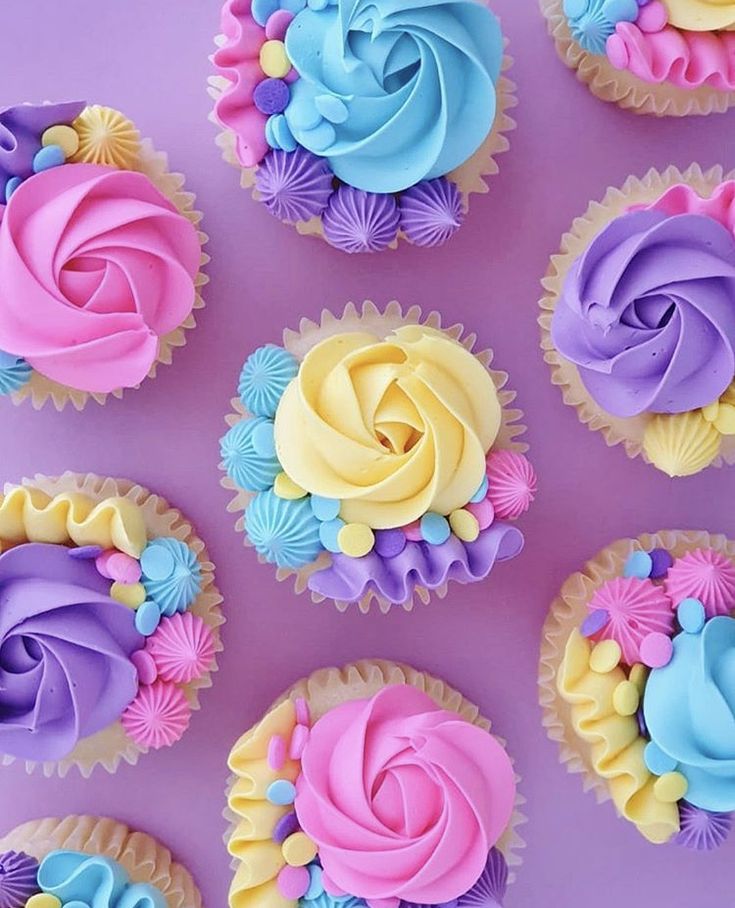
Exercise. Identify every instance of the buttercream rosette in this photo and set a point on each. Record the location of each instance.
(660, 57)
(91, 861)
(637, 323)
(101, 255)
(636, 686)
(371, 784)
(364, 124)
(365, 468)
(109, 627)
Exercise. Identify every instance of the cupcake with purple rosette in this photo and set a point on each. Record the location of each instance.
(637, 686)
(638, 324)
(109, 625)
(362, 123)
(375, 457)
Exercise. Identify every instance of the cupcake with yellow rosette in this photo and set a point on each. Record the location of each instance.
(100, 255)
(376, 457)
(110, 625)
(661, 57)
(371, 784)
(83, 860)
(636, 684)
(638, 325)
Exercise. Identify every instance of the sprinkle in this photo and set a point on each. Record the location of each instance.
(286, 826)
(691, 615)
(325, 508)
(43, 900)
(481, 492)
(638, 674)
(262, 10)
(278, 22)
(412, 532)
(293, 882)
(657, 760)
(299, 740)
(101, 562)
(263, 439)
(670, 787)
(299, 850)
(84, 552)
(329, 533)
(390, 543)
(281, 792)
(661, 561)
(626, 699)
(157, 562)
(64, 136)
(435, 528)
(147, 618)
(605, 656)
(656, 650)
(10, 187)
(303, 716)
(123, 568)
(285, 487)
(638, 564)
(594, 622)
(48, 157)
(484, 512)
(145, 666)
(316, 887)
(271, 96)
(464, 525)
(356, 539)
(130, 594)
(277, 752)
(274, 60)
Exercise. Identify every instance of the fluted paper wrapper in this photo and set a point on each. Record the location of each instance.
(329, 687)
(470, 177)
(622, 87)
(370, 318)
(154, 164)
(569, 610)
(616, 430)
(145, 859)
(108, 747)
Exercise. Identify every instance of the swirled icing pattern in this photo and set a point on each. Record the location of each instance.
(404, 799)
(394, 91)
(391, 428)
(95, 266)
(616, 748)
(689, 706)
(646, 313)
(76, 878)
(65, 647)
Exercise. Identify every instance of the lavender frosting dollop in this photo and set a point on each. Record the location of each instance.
(65, 647)
(647, 314)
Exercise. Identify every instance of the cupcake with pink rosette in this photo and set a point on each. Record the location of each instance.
(362, 123)
(109, 627)
(638, 324)
(636, 683)
(661, 57)
(100, 255)
(373, 785)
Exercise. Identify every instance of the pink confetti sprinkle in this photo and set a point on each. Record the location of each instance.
(122, 567)
(413, 531)
(299, 739)
(278, 22)
(276, 752)
(293, 882)
(100, 562)
(656, 650)
(145, 666)
(483, 512)
(302, 712)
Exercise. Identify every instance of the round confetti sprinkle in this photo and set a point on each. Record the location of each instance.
(656, 650)
(285, 487)
(10, 187)
(390, 543)
(43, 900)
(278, 22)
(123, 568)
(638, 674)
(325, 508)
(157, 562)
(670, 787)
(356, 539)
(271, 96)
(286, 826)
(639, 565)
(594, 622)
(263, 439)
(303, 716)
(101, 562)
(691, 615)
(145, 666)
(464, 525)
(299, 850)
(48, 157)
(64, 136)
(626, 699)
(147, 618)
(274, 60)
(484, 512)
(262, 10)
(412, 532)
(329, 534)
(281, 792)
(657, 761)
(293, 882)
(661, 561)
(316, 887)
(605, 656)
(299, 739)
(481, 491)
(277, 752)
(85, 552)
(130, 594)
(435, 529)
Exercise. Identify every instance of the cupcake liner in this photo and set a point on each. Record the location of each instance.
(329, 687)
(635, 191)
(42, 390)
(110, 746)
(145, 859)
(469, 177)
(623, 88)
(370, 318)
(567, 613)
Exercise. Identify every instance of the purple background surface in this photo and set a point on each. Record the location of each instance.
(150, 60)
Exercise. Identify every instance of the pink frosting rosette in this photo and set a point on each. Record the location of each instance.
(96, 265)
(404, 799)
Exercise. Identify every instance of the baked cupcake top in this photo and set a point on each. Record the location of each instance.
(357, 112)
(99, 261)
(97, 636)
(377, 463)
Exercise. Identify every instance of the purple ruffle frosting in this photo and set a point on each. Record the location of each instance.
(359, 221)
(294, 185)
(18, 878)
(419, 564)
(21, 128)
(431, 211)
(647, 315)
(65, 647)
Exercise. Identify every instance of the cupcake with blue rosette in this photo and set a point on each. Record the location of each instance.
(375, 457)
(109, 627)
(638, 325)
(362, 123)
(85, 860)
(637, 685)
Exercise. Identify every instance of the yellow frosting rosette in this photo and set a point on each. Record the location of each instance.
(701, 15)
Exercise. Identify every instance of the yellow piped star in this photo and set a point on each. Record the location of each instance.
(106, 137)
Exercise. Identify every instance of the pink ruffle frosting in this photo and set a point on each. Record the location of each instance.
(404, 799)
(182, 648)
(683, 199)
(705, 575)
(95, 266)
(635, 609)
(511, 483)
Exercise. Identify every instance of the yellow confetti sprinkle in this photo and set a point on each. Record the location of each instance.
(464, 525)
(670, 787)
(298, 850)
(130, 594)
(626, 699)
(43, 900)
(273, 59)
(285, 487)
(605, 657)
(356, 539)
(64, 136)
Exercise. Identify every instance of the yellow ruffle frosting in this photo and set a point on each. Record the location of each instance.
(616, 746)
(701, 15)
(106, 137)
(30, 515)
(392, 428)
(259, 858)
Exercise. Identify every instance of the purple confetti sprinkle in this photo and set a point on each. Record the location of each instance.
(271, 96)
(642, 727)
(389, 543)
(595, 622)
(86, 552)
(286, 826)
(661, 562)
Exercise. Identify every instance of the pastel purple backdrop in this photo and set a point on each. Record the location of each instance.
(150, 60)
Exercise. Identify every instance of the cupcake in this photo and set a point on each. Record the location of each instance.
(373, 785)
(93, 861)
(375, 457)
(638, 324)
(100, 255)
(109, 626)
(662, 57)
(636, 683)
(362, 124)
